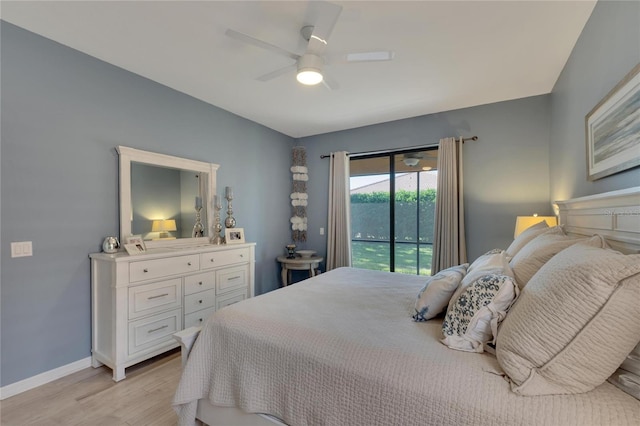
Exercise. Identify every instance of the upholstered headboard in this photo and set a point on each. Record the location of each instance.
(615, 215)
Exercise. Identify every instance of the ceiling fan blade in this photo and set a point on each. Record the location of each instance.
(273, 74)
(329, 82)
(371, 56)
(259, 43)
(326, 14)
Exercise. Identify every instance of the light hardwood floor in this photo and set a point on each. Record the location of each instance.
(91, 397)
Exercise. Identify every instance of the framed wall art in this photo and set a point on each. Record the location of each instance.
(613, 129)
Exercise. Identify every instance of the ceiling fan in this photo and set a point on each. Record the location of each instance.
(310, 64)
(412, 159)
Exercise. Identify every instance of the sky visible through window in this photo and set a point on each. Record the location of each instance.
(360, 181)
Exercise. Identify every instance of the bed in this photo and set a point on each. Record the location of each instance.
(341, 348)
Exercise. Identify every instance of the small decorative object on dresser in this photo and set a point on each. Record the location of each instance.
(135, 245)
(234, 235)
(217, 239)
(198, 227)
(613, 129)
(139, 302)
(110, 245)
(230, 221)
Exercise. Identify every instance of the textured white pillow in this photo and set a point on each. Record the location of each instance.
(527, 235)
(435, 295)
(474, 316)
(490, 263)
(539, 250)
(574, 323)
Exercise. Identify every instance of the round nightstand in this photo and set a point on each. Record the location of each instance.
(298, 264)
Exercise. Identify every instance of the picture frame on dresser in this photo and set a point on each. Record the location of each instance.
(613, 129)
(234, 235)
(134, 244)
(134, 249)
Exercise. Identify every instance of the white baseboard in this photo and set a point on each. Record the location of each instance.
(43, 378)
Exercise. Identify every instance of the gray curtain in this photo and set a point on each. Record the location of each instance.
(339, 220)
(449, 246)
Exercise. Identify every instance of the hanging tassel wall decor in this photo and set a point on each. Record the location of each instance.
(299, 194)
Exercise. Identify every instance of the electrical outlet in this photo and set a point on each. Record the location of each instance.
(21, 249)
(321, 231)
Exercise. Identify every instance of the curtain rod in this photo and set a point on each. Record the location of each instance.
(359, 154)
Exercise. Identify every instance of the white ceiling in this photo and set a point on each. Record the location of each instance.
(448, 54)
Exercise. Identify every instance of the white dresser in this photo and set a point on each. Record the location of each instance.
(139, 301)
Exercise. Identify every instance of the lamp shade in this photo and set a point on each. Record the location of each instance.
(163, 225)
(524, 222)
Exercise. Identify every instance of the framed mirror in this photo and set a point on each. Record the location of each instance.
(165, 199)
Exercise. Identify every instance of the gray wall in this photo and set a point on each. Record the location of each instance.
(63, 113)
(506, 171)
(608, 48)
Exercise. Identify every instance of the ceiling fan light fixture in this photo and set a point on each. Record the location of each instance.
(309, 77)
(411, 161)
(309, 69)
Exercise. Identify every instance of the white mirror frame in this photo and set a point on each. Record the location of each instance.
(128, 155)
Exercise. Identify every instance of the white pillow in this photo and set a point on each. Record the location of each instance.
(525, 236)
(490, 263)
(574, 323)
(539, 250)
(436, 293)
(472, 321)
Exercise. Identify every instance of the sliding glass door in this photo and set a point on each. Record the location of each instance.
(393, 236)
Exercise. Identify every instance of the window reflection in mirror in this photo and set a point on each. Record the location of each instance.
(162, 193)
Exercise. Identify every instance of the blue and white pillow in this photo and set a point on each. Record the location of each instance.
(472, 319)
(435, 295)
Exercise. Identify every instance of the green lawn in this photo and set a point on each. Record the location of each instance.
(374, 255)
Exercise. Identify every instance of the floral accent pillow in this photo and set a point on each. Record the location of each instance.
(472, 319)
(489, 263)
(435, 295)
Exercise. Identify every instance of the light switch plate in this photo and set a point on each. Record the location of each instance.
(21, 249)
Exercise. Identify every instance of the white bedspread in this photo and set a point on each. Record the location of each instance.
(341, 349)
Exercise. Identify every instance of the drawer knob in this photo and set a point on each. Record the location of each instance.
(145, 270)
(200, 320)
(189, 263)
(212, 260)
(200, 301)
(200, 283)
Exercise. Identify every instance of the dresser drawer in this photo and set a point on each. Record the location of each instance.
(196, 319)
(199, 282)
(197, 301)
(230, 299)
(153, 298)
(230, 279)
(222, 258)
(157, 268)
(154, 331)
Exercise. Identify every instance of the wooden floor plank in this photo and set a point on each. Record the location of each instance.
(91, 397)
